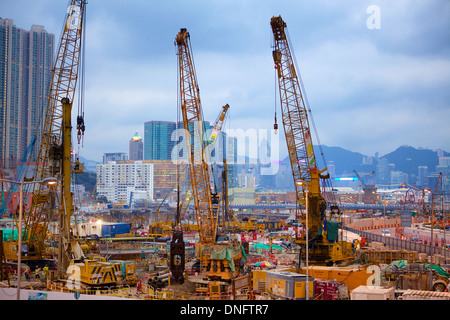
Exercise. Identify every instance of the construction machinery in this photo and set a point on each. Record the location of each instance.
(369, 195)
(322, 231)
(218, 259)
(54, 149)
(165, 225)
(55, 203)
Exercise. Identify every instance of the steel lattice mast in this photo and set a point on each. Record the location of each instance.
(191, 110)
(295, 118)
(63, 85)
(297, 129)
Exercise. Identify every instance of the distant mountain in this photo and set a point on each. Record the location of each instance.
(89, 165)
(407, 159)
(345, 161)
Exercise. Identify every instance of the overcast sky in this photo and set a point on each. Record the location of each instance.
(376, 73)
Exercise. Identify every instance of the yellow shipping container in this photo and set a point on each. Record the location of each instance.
(288, 285)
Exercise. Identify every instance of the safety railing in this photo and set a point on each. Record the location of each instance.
(116, 291)
(402, 244)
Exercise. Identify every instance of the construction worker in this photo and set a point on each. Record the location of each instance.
(45, 272)
(27, 274)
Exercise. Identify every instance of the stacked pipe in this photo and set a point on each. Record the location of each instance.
(160, 279)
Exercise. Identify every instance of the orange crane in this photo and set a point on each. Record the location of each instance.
(321, 236)
(206, 203)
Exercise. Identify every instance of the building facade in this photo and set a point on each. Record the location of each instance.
(161, 137)
(26, 62)
(158, 142)
(125, 181)
(114, 156)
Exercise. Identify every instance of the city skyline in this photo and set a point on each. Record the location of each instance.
(375, 80)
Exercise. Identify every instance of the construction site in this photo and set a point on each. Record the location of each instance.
(314, 251)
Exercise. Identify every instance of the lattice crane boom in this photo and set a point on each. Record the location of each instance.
(296, 127)
(193, 123)
(51, 151)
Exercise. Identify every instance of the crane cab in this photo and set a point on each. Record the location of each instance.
(78, 166)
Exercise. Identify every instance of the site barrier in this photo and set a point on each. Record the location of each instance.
(149, 293)
(121, 291)
(402, 244)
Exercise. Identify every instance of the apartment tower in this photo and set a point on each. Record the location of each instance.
(26, 62)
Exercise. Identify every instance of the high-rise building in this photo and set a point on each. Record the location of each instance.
(114, 156)
(398, 178)
(125, 181)
(422, 175)
(136, 148)
(158, 144)
(383, 172)
(26, 62)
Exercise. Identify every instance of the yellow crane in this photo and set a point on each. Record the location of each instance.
(193, 124)
(323, 241)
(54, 161)
(166, 225)
(213, 255)
(51, 157)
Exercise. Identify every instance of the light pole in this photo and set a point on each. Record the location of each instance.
(300, 183)
(46, 181)
(383, 233)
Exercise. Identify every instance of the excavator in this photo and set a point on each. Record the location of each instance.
(218, 259)
(324, 245)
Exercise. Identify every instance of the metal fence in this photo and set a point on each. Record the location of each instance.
(401, 244)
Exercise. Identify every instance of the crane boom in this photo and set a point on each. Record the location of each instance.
(217, 127)
(193, 123)
(51, 151)
(217, 258)
(301, 153)
(295, 122)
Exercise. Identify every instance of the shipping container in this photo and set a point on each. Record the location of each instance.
(329, 290)
(289, 285)
(373, 293)
(113, 229)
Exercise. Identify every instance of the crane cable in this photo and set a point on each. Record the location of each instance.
(326, 182)
(80, 117)
(81, 88)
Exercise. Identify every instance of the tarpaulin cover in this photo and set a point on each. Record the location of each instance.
(402, 264)
(228, 253)
(438, 269)
(399, 263)
(332, 228)
(258, 247)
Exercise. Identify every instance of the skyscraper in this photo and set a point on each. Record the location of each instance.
(158, 144)
(136, 148)
(26, 62)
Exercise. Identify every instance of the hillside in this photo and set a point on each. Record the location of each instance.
(345, 161)
(405, 158)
